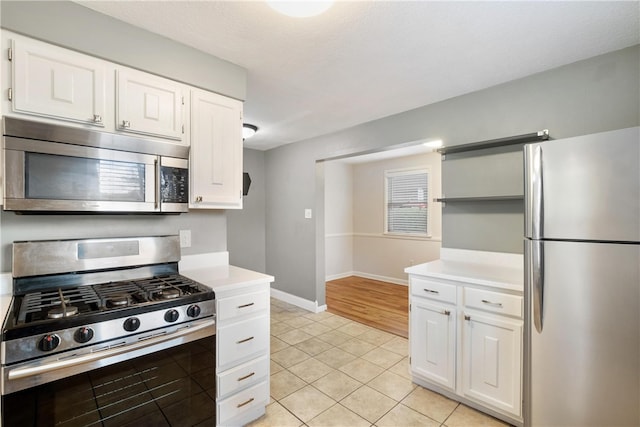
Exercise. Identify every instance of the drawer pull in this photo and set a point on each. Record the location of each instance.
(497, 304)
(246, 305)
(246, 376)
(240, 405)
(244, 340)
(446, 313)
(467, 317)
(431, 291)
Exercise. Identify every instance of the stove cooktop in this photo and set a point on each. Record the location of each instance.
(51, 309)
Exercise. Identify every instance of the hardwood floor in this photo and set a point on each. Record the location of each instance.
(378, 304)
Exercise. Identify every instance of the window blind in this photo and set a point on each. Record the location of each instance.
(406, 204)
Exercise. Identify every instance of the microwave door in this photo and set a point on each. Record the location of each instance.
(48, 176)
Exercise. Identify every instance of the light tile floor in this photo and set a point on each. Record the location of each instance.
(330, 371)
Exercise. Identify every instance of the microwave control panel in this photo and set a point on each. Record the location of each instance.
(174, 185)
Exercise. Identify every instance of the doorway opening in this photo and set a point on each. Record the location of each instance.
(363, 263)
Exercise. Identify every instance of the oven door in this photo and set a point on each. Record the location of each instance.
(50, 176)
(168, 383)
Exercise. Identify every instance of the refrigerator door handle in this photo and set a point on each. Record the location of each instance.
(533, 191)
(537, 282)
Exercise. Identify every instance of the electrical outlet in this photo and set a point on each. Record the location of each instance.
(185, 238)
(307, 213)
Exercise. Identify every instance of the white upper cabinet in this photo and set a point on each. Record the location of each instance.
(148, 104)
(216, 151)
(54, 82)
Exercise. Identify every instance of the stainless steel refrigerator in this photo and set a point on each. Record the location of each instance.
(582, 287)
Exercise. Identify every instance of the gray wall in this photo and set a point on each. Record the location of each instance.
(594, 95)
(208, 229)
(484, 225)
(76, 27)
(245, 227)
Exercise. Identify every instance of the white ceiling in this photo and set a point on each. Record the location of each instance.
(363, 60)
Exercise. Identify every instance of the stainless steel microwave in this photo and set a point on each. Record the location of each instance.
(53, 168)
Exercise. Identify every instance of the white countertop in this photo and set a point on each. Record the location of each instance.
(496, 270)
(224, 277)
(213, 269)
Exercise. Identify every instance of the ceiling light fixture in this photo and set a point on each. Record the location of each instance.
(248, 130)
(300, 8)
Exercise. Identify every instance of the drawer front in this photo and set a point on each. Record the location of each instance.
(243, 376)
(243, 402)
(433, 290)
(243, 340)
(242, 305)
(495, 302)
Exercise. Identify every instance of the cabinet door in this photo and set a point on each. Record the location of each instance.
(216, 151)
(433, 342)
(54, 82)
(492, 361)
(149, 105)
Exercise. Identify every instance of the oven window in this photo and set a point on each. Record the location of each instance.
(50, 176)
(173, 387)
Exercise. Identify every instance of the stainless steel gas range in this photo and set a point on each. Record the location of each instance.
(101, 312)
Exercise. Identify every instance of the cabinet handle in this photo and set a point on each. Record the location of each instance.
(97, 118)
(156, 174)
(467, 317)
(446, 313)
(198, 199)
(126, 124)
(240, 405)
(431, 291)
(246, 376)
(244, 340)
(246, 305)
(497, 304)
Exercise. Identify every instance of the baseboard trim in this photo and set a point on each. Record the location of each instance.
(297, 301)
(339, 276)
(395, 281)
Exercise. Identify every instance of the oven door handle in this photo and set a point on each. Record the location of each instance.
(38, 369)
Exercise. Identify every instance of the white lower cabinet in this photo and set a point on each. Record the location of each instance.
(433, 343)
(243, 340)
(491, 360)
(242, 354)
(232, 410)
(466, 342)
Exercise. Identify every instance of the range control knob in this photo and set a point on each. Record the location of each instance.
(193, 311)
(49, 342)
(171, 315)
(131, 324)
(83, 335)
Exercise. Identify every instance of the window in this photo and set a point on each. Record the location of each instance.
(406, 202)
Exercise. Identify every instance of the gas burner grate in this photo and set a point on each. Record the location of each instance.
(167, 287)
(115, 291)
(36, 305)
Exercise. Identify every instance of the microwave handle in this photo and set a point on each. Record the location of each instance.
(157, 187)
